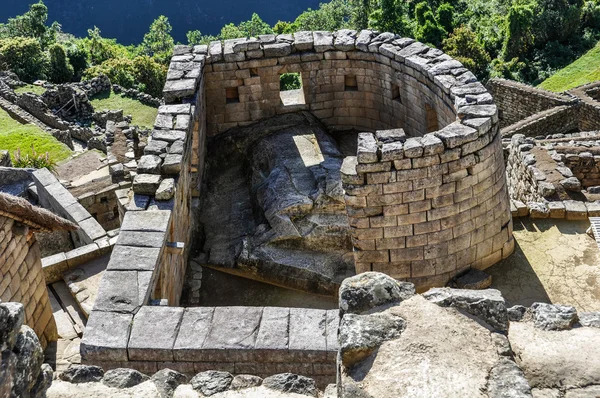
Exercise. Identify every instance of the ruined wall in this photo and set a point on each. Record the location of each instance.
(523, 176)
(519, 101)
(589, 116)
(103, 205)
(558, 120)
(22, 280)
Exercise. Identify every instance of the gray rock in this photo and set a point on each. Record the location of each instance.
(590, 319)
(211, 382)
(546, 188)
(149, 164)
(146, 184)
(516, 313)
(586, 392)
(553, 317)
(240, 382)
(167, 381)
(571, 184)
(82, 374)
(44, 380)
(369, 290)
(488, 305)
(12, 316)
(594, 190)
(565, 171)
(166, 189)
(123, 378)
(360, 335)
(474, 279)
(507, 381)
(291, 383)
(29, 358)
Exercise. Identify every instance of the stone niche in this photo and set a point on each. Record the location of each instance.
(426, 195)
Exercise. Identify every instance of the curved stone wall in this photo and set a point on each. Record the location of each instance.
(426, 202)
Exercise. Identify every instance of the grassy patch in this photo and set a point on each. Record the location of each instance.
(584, 70)
(30, 88)
(143, 115)
(14, 135)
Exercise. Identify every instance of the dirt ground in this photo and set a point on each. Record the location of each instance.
(554, 261)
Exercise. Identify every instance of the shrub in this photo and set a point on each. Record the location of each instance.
(33, 161)
(290, 81)
(60, 70)
(24, 56)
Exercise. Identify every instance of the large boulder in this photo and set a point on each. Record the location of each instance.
(167, 381)
(123, 378)
(370, 290)
(553, 317)
(211, 382)
(82, 374)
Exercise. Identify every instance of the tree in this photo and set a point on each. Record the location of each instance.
(427, 29)
(255, 27)
(149, 75)
(331, 16)
(390, 17)
(100, 49)
(194, 37)
(518, 32)
(59, 71)
(360, 15)
(464, 47)
(78, 57)
(24, 56)
(283, 27)
(158, 42)
(445, 17)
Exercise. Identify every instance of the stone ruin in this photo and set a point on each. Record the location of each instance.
(390, 158)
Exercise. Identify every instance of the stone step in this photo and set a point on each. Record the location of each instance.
(83, 281)
(64, 323)
(70, 305)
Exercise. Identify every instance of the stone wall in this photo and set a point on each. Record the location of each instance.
(558, 120)
(103, 205)
(518, 101)
(52, 195)
(523, 176)
(350, 80)
(22, 280)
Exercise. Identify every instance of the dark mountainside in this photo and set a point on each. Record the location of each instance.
(128, 20)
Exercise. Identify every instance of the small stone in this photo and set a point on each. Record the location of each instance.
(553, 317)
(546, 189)
(123, 378)
(291, 383)
(167, 381)
(149, 164)
(507, 381)
(211, 382)
(370, 290)
(590, 319)
(82, 374)
(594, 190)
(166, 189)
(516, 313)
(146, 184)
(571, 184)
(245, 381)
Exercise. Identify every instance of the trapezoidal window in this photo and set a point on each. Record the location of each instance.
(350, 83)
(432, 120)
(290, 89)
(396, 93)
(232, 95)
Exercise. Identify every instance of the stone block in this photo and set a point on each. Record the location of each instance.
(146, 184)
(53, 267)
(82, 255)
(161, 138)
(130, 258)
(575, 210)
(172, 164)
(557, 209)
(106, 336)
(323, 41)
(92, 229)
(141, 239)
(178, 89)
(122, 291)
(308, 338)
(153, 333)
(232, 334)
(277, 49)
(456, 134)
(43, 177)
(367, 148)
(195, 326)
(149, 221)
(149, 164)
(273, 336)
(303, 41)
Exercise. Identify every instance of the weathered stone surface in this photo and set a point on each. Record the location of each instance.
(123, 378)
(29, 358)
(128, 258)
(240, 382)
(167, 381)
(507, 381)
(516, 313)
(591, 319)
(553, 317)
(146, 184)
(291, 383)
(82, 374)
(151, 221)
(63, 389)
(547, 357)
(153, 333)
(165, 190)
(211, 382)
(488, 305)
(106, 336)
(149, 164)
(369, 290)
(586, 392)
(360, 335)
(172, 164)
(571, 184)
(196, 322)
(430, 358)
(141, 239)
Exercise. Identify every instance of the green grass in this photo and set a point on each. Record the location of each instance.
(143, 115)
(30, 88)
(585, 70)
(14, 135)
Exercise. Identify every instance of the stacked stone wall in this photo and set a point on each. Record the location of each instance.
(558, 120)
(519, 101)
(103, 205)
(523, 176)
(22, 279)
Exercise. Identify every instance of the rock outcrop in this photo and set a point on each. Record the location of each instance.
(274, 205)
